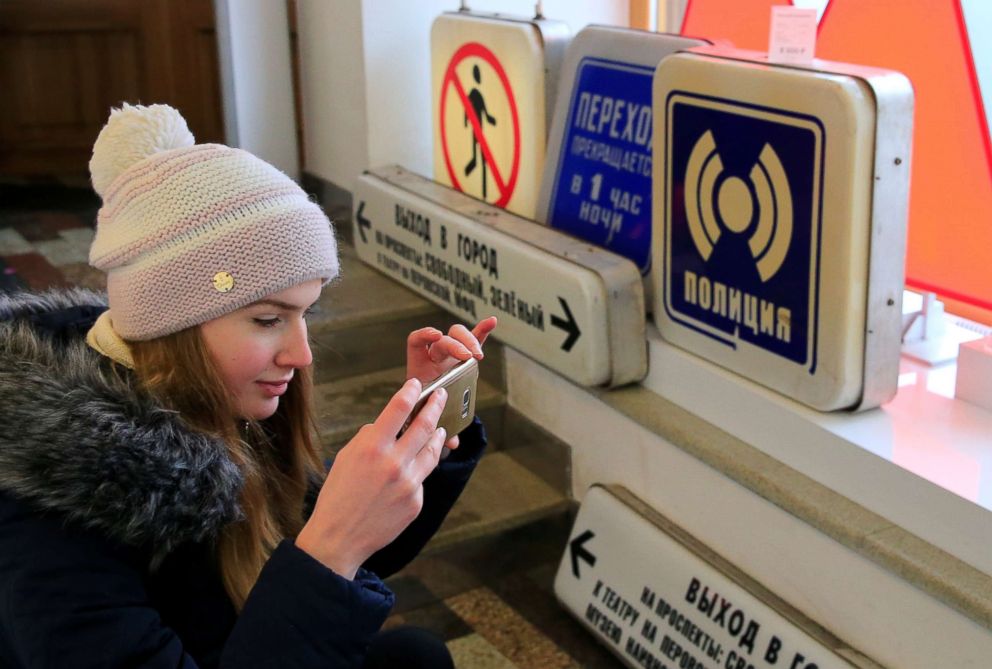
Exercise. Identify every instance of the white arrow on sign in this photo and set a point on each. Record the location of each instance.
(577, 309)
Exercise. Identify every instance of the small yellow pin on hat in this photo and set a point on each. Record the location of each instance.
(223, 282)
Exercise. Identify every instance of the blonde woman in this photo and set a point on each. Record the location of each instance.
(162, 499)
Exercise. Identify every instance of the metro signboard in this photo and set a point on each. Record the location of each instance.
(597, 178)
(743, 241)
(577, 309)
(779, 236)
(602, 189)
(657, 597)
(492, 76)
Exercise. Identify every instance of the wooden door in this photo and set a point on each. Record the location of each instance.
(64, 63)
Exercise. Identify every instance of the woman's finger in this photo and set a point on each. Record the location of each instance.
(467, 339)
(449, 347)
(428, 456)
(483, 328)
(423, 424)
(393, 417)
(418, 340)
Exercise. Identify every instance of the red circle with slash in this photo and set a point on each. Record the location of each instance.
(476, 50)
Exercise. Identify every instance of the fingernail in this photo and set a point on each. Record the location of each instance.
(442, 432)
(442, 393)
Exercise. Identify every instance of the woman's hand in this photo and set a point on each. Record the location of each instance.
(375, 488)
(430, 353)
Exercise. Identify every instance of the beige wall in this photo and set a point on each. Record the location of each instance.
(253, 41)
(332, 82)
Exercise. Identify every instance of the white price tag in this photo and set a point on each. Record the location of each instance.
(792, 37)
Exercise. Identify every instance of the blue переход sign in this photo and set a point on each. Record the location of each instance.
(602, 186)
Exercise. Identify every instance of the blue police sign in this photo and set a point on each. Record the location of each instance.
(602, 185)
(743, 198)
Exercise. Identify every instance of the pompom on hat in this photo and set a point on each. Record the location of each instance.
(189, 232)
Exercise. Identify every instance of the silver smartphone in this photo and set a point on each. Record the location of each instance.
(460, 381)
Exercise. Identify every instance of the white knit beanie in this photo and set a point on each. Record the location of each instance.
(189, 232)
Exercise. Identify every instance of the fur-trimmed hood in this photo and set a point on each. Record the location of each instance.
(80, 439)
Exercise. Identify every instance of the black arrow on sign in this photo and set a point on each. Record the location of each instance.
(579, 552)
(569, 326)
(362, 222)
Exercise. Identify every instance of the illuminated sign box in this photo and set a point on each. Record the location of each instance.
(597, 178)
(493, 78)
(657, 597)
(577, 309)
(780, 221)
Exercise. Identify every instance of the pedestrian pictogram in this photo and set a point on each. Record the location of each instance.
(479, 107)
(490, 171)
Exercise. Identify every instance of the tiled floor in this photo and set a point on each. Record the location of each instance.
(45, 235)
(489, 597)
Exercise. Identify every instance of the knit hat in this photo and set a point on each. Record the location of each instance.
(189, 232)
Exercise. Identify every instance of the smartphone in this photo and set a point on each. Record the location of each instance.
(460, 381)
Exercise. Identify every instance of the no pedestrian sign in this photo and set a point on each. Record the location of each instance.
(483, 166)
(489, 116)
(577, 309)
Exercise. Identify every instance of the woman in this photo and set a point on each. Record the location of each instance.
(158, 472)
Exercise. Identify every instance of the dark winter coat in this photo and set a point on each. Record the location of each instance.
(109, 509)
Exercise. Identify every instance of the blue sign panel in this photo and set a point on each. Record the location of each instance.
(743, 198)
(602, 187)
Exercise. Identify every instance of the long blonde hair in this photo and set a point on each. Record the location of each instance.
(278, 457)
